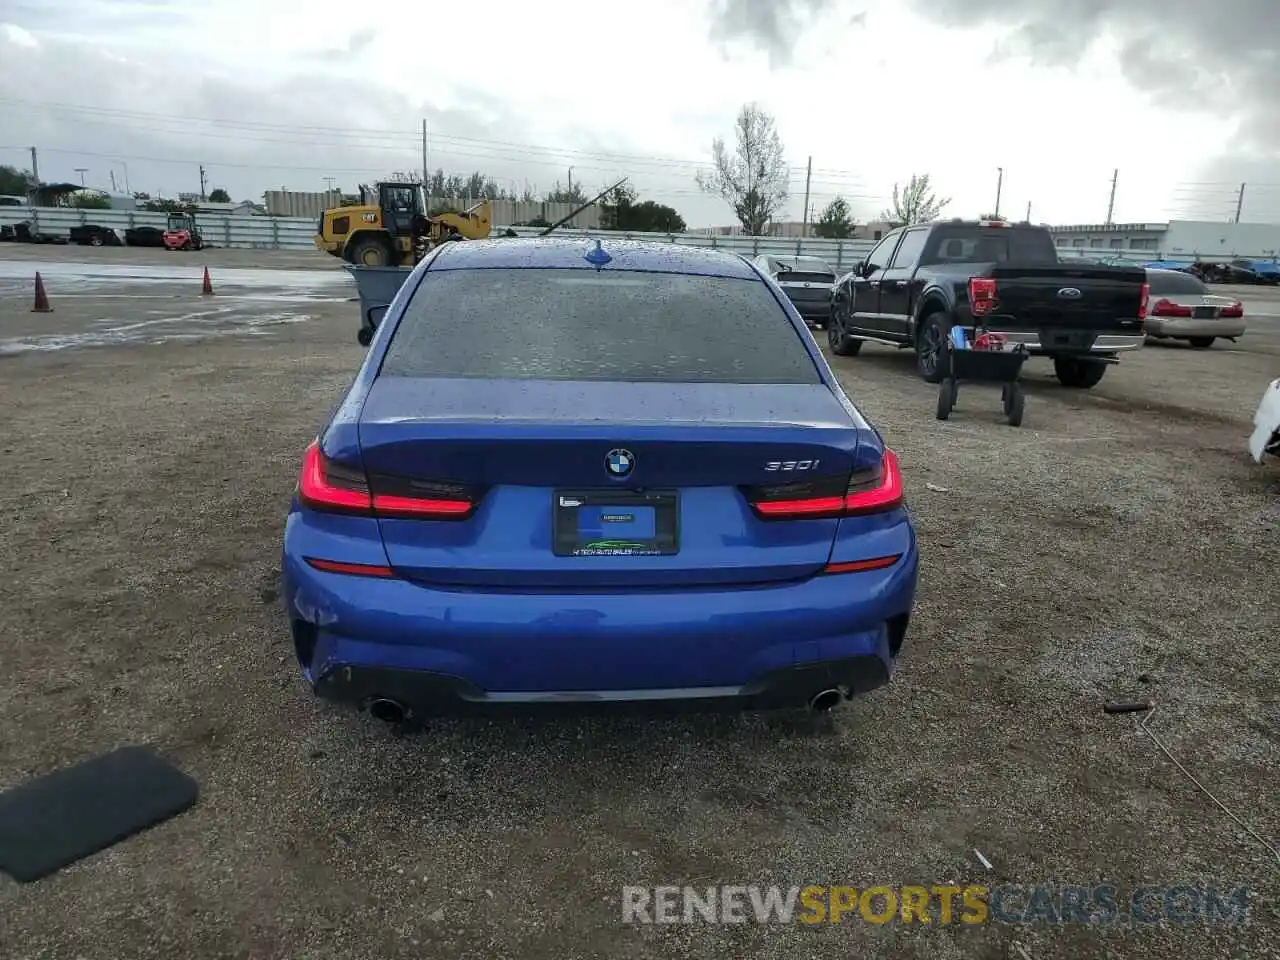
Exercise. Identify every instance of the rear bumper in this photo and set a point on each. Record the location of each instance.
(427, 693)
(815, 309)
(1102, 344)
(1183, 327)
(444, 651)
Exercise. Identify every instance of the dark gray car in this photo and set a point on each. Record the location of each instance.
(808, 281)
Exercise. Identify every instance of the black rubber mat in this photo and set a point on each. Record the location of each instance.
(72, 813)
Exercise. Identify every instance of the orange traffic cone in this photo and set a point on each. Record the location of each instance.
(42, 298)
(207, 289)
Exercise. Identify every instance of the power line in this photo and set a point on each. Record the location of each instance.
(360, 136)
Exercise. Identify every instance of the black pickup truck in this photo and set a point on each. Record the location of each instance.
(921, 280)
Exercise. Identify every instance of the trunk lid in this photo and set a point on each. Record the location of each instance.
(526, 446)
(1085, 297)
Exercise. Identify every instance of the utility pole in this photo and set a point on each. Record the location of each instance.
(999, 187)
(426, 177)
(1028, 220)
(1111, 204)
(808, 174)
(203, 198)
(1239, 203)
(82, 171)
(571, 181)
(35, 167)
(113, 181)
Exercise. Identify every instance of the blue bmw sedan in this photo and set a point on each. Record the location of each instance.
(579, 473)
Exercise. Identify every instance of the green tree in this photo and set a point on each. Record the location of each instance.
(476, 187)
(835, 222)
(915, 203)
(752, 178)
(570, 194)
(15, 182)
(89, 200)
(615, 207)
(169, 206)
(620, 211)
(218, 195)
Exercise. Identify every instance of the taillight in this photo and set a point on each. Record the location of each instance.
(1167, 308)
(1143, 303)
(332, 488)
(982, 295)
(865, 492)
(1235, 310)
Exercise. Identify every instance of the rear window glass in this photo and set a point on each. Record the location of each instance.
(1169, 282)
(806, 264)
(536, 324)
(974, 244)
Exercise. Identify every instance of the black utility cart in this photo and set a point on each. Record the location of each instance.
(965, 362)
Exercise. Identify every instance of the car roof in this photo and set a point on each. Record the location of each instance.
(569, 253)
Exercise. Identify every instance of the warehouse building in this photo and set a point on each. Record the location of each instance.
(1177, 239)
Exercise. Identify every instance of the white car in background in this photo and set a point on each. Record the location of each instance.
(1182, 308)
(807, 282)
(1266, 424)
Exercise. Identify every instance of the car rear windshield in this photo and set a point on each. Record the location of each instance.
(551, 324)
(1171, 283)
(805, 268)
(965, 243)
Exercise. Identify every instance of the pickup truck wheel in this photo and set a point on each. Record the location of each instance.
(95, 240)
(1082, 374)
(1200, 342)
(841, 344)
(929, 341)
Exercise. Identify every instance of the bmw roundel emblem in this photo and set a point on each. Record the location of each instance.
(620, 462)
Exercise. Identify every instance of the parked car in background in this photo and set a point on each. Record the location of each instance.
(1181, 266)
(807, 281)
(1239, 271)
(1182, 308)
(144, 237)
(94, 235)
(920, 281)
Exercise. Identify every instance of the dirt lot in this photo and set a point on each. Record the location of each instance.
(1120, 545)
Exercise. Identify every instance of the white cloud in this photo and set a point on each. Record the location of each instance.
(19, 37)
(524, 91)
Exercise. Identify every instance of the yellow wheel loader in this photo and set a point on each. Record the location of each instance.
(391, 227)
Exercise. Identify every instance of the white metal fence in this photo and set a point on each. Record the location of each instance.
(297, 233)
(222, 230)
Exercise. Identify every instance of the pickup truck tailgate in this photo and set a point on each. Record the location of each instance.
(1093, 298)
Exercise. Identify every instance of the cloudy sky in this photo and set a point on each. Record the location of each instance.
(1180, 96)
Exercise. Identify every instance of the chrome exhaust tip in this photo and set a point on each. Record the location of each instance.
(388, 711)
(825, 701)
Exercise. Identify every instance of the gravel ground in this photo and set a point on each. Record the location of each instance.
(1119, 546)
